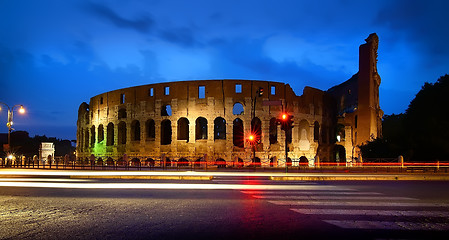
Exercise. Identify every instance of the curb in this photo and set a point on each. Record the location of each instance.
(362, 178)
(147, 177)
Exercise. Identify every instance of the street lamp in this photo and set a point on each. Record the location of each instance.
(9, 123)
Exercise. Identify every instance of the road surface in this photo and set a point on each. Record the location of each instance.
(222, 208)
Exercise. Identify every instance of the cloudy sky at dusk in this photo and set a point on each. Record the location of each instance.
(55, 54)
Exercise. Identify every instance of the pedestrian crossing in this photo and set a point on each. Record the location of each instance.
(349, 208)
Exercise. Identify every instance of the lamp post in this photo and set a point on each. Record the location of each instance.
(9, 123)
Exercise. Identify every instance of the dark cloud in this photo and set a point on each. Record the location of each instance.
(422, 23)
(142, 24)
(181, 36)
(250, 56)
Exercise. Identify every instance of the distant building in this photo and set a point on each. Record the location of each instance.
(180, 123)
(47, 151)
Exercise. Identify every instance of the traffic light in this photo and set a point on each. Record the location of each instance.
(260, 92)
(252, 138)
(286, 121)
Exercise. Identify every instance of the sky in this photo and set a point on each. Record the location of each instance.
(55, 54)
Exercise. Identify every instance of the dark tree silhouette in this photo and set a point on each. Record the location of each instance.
(422, 133)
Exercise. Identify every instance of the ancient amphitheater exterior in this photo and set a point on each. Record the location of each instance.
(208, 121)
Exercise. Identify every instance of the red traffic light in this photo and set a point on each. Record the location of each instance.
(286, 121)
(251, 137)
(284, 116)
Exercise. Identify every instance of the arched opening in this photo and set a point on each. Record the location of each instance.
(166, 132)
(256, 162)
(219, 128)
(86, 117)
(135, 162)
(256, 129)
(99, 161)
(92, 136)
(237, 109)
(303, 161)
(100, 133)
(122, 133)
(166, 110)
(316, 131)
(80, 143)
(288, 162)
(340, 153)
(122, 162)
(340, 133)
(303, 132)
(149, 162)
(183, 162)
(240, 163)
(135, 130)
(201, 128)
(221, 163)
(273, 131)
(110, 136)
(110, 161)
(273, 162)
(167, 162)
(183, 129)
(150, 129)
(199, 162)
(121, 113)
(86, 138)
(237, 132)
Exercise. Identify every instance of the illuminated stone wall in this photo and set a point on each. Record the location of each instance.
(133, 123)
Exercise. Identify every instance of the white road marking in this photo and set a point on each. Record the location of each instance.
(363, 198)
(359, 204)
(384, 225)
(395, 213)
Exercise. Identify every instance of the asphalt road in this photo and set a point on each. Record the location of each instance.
(223, 208)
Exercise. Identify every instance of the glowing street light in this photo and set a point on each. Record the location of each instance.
(9, 123)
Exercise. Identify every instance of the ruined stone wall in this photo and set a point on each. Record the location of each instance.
(131, 110)
(202, 121)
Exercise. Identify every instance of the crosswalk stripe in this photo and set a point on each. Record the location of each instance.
(384, 225)
(371, 198)
(294, 193)
(394, 213)
(359, 204)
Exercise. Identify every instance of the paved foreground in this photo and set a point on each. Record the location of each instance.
(223, 208)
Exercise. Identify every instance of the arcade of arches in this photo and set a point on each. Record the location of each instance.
(193, 123)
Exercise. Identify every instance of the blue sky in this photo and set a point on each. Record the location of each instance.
(55, 54)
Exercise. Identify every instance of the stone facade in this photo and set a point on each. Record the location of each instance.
(179, 123)
(47, 151)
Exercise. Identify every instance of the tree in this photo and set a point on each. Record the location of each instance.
(427, 121)
(422, 133)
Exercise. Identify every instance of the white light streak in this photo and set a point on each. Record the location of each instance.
(43, 180)
(159, 186)
(48, 172)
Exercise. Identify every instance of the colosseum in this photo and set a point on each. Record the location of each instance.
(208, 122)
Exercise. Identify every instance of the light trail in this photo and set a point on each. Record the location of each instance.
(31, 172)
(43, 180)
(166, 186)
